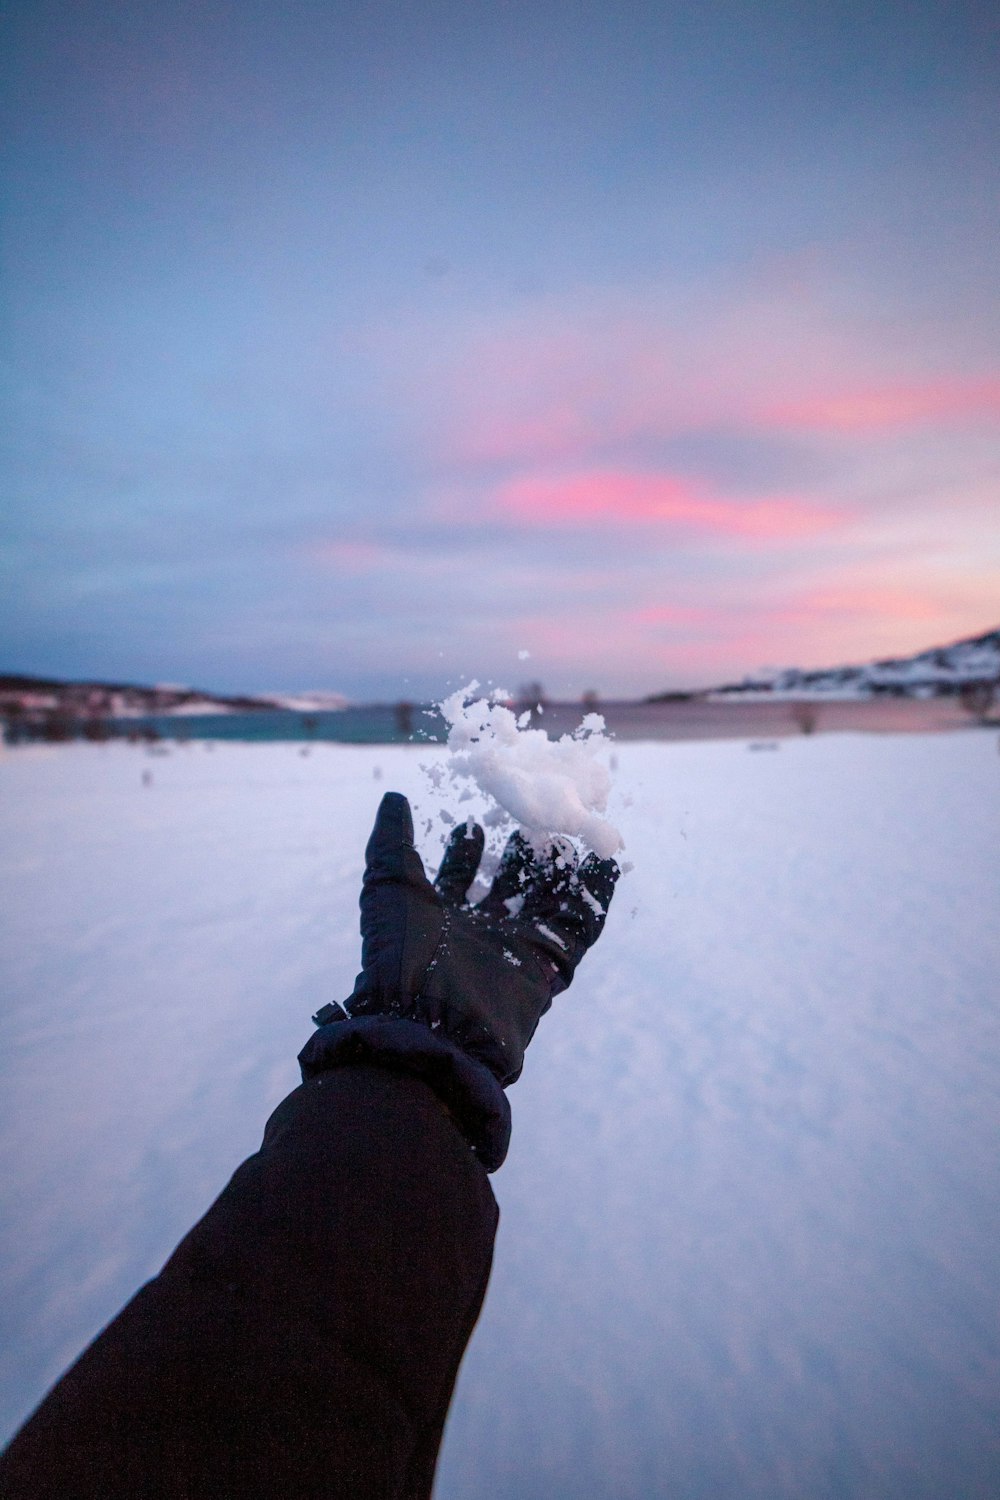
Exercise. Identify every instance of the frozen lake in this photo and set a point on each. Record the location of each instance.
(751, 1215)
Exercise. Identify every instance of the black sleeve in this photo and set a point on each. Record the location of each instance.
(305, 1337)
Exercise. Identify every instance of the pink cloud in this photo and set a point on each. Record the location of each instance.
(549, 401)
(603, 497)
(350, 556)
(673, 614)
(600, 371)
(494, 437)
(612, 637)
(872, 601)
(891, 406)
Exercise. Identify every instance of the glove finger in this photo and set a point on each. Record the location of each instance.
(560, 861)
(571, 903)
(390, 855)
(461, 859)
(553, 872)
(514, 877)
(595, 886)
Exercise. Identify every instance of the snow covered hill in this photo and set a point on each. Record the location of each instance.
(964, 665)
(26, 698)
(749, 1242)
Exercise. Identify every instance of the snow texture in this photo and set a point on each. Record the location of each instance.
(545, 786)
(750, 1228)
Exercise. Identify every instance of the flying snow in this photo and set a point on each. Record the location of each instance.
(547, 786)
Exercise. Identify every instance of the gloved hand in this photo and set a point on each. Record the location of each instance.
(482, 975)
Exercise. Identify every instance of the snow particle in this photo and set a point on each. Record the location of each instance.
(546, 786)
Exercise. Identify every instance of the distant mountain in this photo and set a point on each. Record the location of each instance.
(966, 666)
(304, 703)
(116, 700)
(93, 701)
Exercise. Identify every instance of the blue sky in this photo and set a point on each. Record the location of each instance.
(364, 346)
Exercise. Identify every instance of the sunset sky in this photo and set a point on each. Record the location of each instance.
(364, 346)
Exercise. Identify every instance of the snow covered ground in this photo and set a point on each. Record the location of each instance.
(750, 1235)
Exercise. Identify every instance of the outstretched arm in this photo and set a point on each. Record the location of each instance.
(305, 1337)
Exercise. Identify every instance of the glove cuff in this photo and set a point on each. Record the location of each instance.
(475, 1098)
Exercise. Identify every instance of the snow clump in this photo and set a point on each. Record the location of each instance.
(547, 786)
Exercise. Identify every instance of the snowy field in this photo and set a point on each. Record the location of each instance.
(750, 1235)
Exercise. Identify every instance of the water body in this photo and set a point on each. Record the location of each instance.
(404, 723)
(364, 724)
(688, 719)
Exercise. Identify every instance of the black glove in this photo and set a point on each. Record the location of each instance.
(481, 975)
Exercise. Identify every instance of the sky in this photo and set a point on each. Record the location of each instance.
(367, 347)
